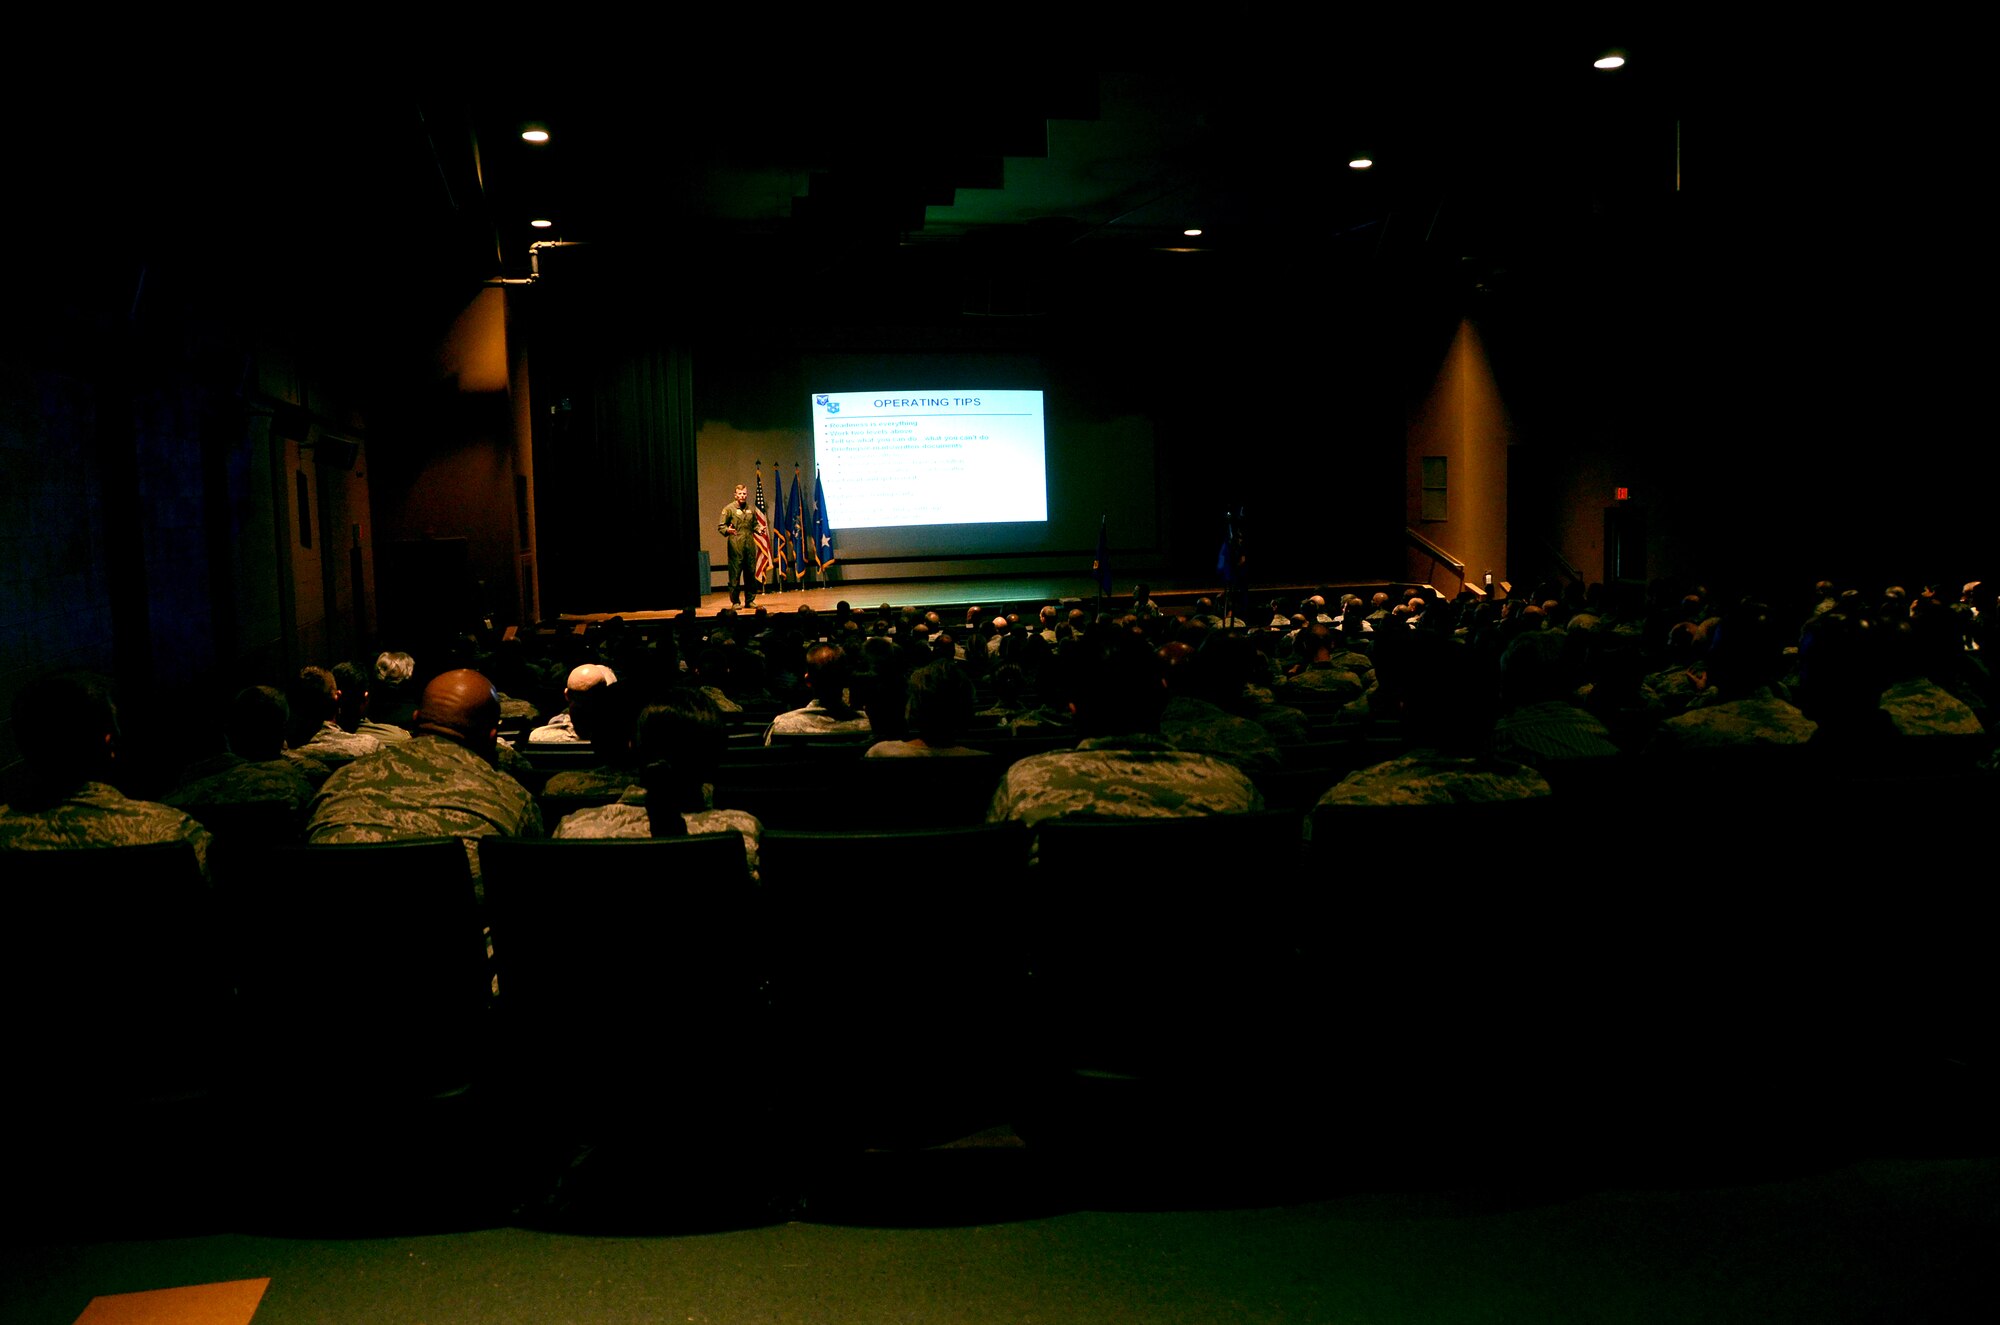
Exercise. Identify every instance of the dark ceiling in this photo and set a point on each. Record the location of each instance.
(373, 190)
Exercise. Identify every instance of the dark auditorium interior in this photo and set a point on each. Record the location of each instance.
(307, 357)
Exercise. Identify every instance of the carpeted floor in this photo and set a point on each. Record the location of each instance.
(1831, 1242)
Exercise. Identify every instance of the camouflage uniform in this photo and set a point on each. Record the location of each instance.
(332, 744)
(812, 720)
(1554, 729)
(723, 703)
(604, 781)
(1205, 728)
(905, 750)
(1759, 718)
(559, 730)
(1326, 679)
(1356, 662)
(511, 707)
(97, 814)
(241, 782)
(628, 818)
(1923, 708)
(386, 733)
(311, 769)
(1122, 777)
(424, 787)
(1430, 777)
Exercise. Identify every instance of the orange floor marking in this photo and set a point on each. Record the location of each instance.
(199, 1304)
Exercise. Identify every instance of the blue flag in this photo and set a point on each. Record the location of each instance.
(823, 554)
(795, 525)
(1100, 565)
(1229, 559)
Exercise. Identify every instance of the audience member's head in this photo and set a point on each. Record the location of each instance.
(939, 704)
(352, 683)
(587, 676)
(256, 722)
(603, 714)
(462, 707)
(679, 742)
(67, 728)
(314, 696)
(1120, 690)
(829, 675)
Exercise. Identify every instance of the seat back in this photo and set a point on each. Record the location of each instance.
(1155, 939)
(111, 976)
(626, 968)
(901, 974)
(368, 959)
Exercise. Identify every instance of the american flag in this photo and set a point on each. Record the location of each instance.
(762, 534)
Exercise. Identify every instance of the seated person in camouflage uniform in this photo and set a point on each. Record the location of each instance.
(1449, 729)
(679, 746)
(440, 783)
(394, 696)
(1746, 662)
(315, 699)
(1328, 671)
(833, 709)
(356, 688)
(67, 727)
(561, 729)
(1123, 768)
(1542, 726)
(937, 707)
(254, 770)
(1195, 717)
(607, 717)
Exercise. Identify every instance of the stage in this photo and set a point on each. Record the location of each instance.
(950, 598)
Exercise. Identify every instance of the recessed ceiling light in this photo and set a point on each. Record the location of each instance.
(1192, 233)
(1361, 163)
(534, 133)
(540, 224)
(1609, 60)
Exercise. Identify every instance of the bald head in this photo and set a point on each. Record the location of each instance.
(587, 676)
(461, 706)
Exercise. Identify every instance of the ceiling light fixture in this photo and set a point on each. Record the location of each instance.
(540, 224)
(1193, 233)
(1361, 163)
(534, 133)
(1609, 60)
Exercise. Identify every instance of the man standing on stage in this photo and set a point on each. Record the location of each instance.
(739, 526)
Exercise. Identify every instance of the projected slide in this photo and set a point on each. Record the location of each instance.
(931, 457)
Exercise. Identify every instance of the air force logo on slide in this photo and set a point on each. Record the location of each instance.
(827, 403)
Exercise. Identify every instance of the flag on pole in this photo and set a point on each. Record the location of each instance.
(761, 534)
(1100, 565)
(780, 553)
(823, 554)
(795, 526)
(1230, 561)
(781, 531)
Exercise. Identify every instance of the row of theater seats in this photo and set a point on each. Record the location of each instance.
(1409, 978)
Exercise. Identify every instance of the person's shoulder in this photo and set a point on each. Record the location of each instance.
(724, 821)
(604, 821)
